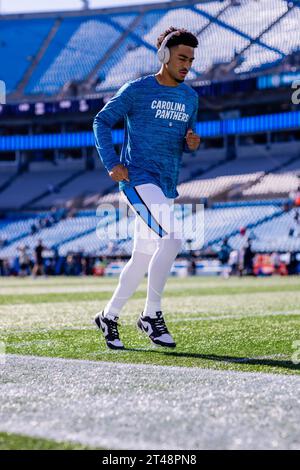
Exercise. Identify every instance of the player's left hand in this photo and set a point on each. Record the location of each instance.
(192, 140)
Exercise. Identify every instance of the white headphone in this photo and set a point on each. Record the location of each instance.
(163, 52)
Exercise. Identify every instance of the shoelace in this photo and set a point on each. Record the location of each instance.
(113, 329)
(159, 324)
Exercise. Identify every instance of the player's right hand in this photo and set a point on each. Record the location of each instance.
(119, 173)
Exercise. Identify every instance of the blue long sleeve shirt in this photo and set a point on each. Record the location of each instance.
(157, 118)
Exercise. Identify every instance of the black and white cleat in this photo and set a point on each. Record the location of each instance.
(110, 330)
(156, 329)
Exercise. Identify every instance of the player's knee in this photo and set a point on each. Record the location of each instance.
(173, 241)
(146, 247)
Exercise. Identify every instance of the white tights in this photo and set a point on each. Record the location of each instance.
(152, 254)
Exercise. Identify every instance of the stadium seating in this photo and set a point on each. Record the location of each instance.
(247, 186)
(284, 36)
(274, 235)
(233, 177)
(206, 174)
(134, 59)
(69, 228)
(75, 50)
(72, 54)
(135, 56)
(256, 56)
(209, 188)
(15, 59)
(79, 233)
(46, 184)
(280, 185)
(87, 184)
(219, 44)
(31, 185)
(13, 229)
(213, 8)
(222, 222)
(218, 223)
(98, 241)
(252, 18)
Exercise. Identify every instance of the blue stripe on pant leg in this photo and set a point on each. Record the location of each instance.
(135, 199)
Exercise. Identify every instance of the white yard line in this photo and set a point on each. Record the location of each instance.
(126, 406)
(236, 317)
(86, 284)
(89, 325)
(33, 290)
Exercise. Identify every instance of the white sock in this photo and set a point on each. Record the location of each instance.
(130, 278)
(151, 308)
(158, 272)
(111, 313)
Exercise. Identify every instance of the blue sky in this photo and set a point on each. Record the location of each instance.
(19, 6)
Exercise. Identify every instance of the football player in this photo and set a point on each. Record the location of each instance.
(160, 113)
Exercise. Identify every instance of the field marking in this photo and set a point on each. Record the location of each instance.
(95, 285)
(200, 280)
(116, 405)
(79, 315)
(169, 320)
(237, 317)
(34, 290)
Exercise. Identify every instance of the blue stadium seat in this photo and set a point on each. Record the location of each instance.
(134, 57)
(20, 40)
(73, 53)
(274, 235)
(283, 36)
(82, 41)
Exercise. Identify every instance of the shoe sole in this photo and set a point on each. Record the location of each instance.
(97, 321)
(156, 342)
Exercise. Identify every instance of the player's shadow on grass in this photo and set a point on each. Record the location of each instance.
(230, 359)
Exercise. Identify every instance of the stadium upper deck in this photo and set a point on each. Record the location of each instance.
(98, 50)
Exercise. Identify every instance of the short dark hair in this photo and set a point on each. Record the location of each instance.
(185, 37)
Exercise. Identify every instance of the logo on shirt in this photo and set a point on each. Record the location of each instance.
(170, 110)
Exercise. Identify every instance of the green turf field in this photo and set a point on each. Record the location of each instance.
(239, 324)
(245, 325)
(18, 442)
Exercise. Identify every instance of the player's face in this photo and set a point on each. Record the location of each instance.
(181, 60)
